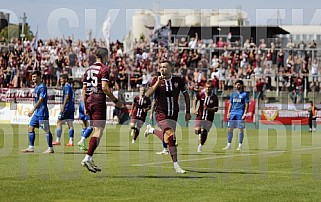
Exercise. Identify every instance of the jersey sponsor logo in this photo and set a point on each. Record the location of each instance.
(237, 100)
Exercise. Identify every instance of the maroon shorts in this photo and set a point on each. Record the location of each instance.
(166, 122)
(139, 123)
(97, 114)
(206, 124)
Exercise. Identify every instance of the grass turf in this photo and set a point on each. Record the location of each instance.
(274, 165)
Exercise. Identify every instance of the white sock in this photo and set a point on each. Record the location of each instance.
(229, 144)
(240, 144)
(176, 165)
(31, 147)
(58, 139)
(51, 148)
(82, 140)
(88, 158)
(71, 140)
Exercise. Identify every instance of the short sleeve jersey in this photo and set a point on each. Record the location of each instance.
(167, 93)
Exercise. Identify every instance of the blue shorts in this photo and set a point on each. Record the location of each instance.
(236, 121)
(82, 115)
(39, 121)
(67, 115)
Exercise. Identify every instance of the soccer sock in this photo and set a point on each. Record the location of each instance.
(32, 137)
(229, 137)
(93, 144)
(136, 133)
(82, 132)
(176, 165)
(164, 145)
(58, 134)
(172, 148)
(203, 136)
(71, 134)
(88, 131)
(241, 137)
(49, 139)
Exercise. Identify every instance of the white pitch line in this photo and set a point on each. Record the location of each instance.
(229, 156)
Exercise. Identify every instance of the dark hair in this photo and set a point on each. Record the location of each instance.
(240, 82)
(101, 52)
(166, 61)
(65, 76)
(38, 73)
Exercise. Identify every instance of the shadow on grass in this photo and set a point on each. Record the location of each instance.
(223, 172)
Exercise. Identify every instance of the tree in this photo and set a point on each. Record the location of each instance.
(14, 31)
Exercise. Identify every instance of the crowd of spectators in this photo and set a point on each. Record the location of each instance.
(195, 59)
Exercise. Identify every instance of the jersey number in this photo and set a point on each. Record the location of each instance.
(93, 77)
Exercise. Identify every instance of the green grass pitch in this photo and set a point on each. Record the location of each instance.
(274, 165)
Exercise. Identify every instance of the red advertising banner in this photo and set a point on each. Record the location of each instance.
(284, 116)
(250, 112)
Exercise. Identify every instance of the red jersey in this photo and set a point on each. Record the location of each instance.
(209, 101)
(167, 93)
(93, 78)
(140, 103)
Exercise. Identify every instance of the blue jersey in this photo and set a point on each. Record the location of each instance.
(41, 92)
(68, 90)
(238, 101)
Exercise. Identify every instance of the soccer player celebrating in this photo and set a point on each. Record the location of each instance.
(205, 113)
(167, 89)
(236, 113)
(140, 106)
(66, 112)
(96, 86)
(40, 115)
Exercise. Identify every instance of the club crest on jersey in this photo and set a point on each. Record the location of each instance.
(176, 84)
(211, 101)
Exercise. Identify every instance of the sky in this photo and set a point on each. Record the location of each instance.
(76, 17)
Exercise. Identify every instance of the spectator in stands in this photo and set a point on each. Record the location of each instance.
(312, 116)
(259, 89)
(315, 72)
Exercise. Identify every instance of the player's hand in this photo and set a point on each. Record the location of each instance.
(30, 113)
(244, 116)
(151, 116)
(188, 116)
(205, 106)
(196, 112)
(228, 115)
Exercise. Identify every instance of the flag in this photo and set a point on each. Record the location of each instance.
(34, 44)
(106, 31)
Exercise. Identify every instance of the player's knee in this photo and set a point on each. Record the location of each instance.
(31, 129)
(204, 131)
(197, 131)
(169, 135)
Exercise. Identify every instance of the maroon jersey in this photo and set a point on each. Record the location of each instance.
(209, 101)
(140, 103)
(167, 93)
(93, 78)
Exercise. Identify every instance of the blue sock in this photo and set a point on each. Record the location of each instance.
(83, 132)
(71, 133)
(88, 132)
(241, 137)
(32, 137)
(49, 139)
(58, 132)
(164, 145)
(229, 137)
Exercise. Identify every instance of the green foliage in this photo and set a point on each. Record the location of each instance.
(14, 31)
(275, 165)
